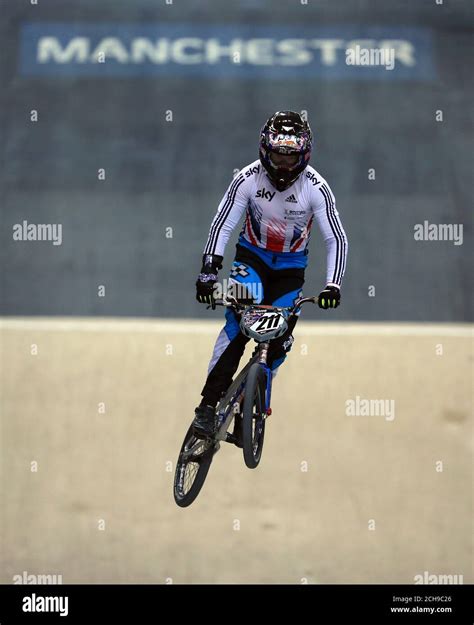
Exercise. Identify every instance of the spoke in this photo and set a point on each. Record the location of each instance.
(190, 473)
(190, 462)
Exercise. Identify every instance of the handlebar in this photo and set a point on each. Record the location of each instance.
(232, 302)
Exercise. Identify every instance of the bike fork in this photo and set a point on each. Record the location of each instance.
(262, 360)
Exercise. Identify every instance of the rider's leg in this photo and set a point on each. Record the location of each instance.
(228, 350)
(280, 347)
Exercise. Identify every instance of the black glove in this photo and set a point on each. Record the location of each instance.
(330, 297)
(208, 278)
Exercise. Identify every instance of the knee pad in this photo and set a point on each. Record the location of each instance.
(288, 344)
(281, 352)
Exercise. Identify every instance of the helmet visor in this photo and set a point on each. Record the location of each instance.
(284, 161)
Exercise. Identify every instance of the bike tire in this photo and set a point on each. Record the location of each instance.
(253, 416)
(186, 492)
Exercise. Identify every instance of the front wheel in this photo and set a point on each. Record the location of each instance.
(193, 465)
(253, 416)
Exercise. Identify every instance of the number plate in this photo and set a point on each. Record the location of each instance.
(263, 325)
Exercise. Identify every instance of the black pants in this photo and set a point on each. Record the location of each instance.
(278, 286)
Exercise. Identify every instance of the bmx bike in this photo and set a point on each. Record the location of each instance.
(247, 398)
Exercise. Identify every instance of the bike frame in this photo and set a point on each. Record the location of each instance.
(226, 406)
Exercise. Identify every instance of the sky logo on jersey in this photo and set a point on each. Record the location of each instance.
(107, 50)
(266, 195)
(252, 170)
(312, 178)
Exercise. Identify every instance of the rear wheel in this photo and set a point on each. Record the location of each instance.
(253, 416)
(193, 465)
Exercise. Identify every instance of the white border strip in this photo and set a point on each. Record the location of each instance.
(193, 326)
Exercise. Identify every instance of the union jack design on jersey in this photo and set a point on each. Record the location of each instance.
(280, 221)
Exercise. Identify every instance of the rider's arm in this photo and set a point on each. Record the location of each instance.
(228, 215)
(329, 222)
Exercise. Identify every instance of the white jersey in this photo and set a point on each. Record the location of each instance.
(280, 221)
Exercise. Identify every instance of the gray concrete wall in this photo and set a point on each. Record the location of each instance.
(163, 174)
